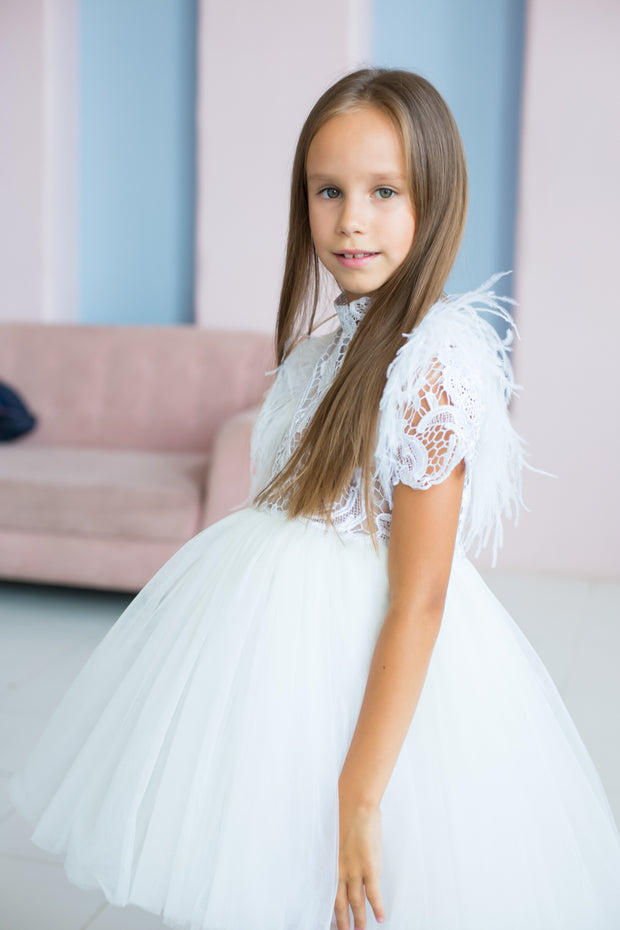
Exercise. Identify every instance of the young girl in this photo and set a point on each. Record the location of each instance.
(317, 708)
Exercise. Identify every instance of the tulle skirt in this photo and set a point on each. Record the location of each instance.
(192, 767)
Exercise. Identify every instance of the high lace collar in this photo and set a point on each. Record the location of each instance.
(350, 313)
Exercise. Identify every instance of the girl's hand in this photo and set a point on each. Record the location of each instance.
(359, 865)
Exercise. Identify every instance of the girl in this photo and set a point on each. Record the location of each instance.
(317, 707)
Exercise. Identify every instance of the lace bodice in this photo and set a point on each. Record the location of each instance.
(445, 399)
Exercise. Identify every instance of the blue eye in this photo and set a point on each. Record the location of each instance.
(385, 193)
(329, 193)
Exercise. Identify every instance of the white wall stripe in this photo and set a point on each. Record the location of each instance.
(60, 205)
(261, 67)
(568, 316)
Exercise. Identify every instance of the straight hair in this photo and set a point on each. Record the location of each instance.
(341, 436)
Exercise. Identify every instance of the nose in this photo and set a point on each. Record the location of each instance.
(352, 218)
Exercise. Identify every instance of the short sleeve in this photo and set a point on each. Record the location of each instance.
(435, 415)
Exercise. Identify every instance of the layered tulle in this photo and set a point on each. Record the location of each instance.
(192, 767)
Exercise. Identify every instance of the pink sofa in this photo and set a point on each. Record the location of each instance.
(142, 440)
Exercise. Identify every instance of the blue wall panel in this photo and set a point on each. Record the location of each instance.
(137, 160)
(471, 50)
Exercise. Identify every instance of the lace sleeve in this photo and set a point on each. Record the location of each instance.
(435, 418)
(446, 400)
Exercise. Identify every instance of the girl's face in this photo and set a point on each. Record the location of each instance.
(361, 213)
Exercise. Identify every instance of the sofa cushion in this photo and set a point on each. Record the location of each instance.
(102, 492)
(167, 388)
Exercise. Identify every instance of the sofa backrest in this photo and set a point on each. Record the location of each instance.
(140, 387)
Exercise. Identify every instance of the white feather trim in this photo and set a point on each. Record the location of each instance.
(446, 399)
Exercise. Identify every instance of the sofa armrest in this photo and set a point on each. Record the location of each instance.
(229, 478)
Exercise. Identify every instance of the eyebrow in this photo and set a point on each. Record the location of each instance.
(378, 176)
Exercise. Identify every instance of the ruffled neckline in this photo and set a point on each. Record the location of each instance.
(350, 313)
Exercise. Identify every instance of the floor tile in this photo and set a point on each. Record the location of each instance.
(54, 624)
(5, 804)
(18, 734)
(15, 833)
(41, 692)
(35, 896)
(24, 657)
(126, 918)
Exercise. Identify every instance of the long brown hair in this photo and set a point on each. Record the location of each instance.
(341, 436)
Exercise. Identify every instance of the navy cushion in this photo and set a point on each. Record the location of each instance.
(15, 418)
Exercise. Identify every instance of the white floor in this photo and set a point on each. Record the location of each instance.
(47, 633)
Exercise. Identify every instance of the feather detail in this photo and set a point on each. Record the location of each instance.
(446, 399)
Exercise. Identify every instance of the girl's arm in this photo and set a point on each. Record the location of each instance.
(422, 537)
(423, 533)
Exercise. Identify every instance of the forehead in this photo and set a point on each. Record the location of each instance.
(360, 141)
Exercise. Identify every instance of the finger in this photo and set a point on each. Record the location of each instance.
(357, 900)
(373, 893)
(341, 908)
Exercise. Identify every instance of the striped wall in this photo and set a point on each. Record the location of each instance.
(111, 220)
(99, 178)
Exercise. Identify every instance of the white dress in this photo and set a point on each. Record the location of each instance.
(192, 767)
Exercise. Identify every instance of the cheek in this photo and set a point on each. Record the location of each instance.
(400, 228)
(315, 225)
(404, 236)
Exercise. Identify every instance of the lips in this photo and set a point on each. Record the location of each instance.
(355, 259)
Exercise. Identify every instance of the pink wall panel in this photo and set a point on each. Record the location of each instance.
(21, 161)
(38, 159)
(261, 67)
(569, 317)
